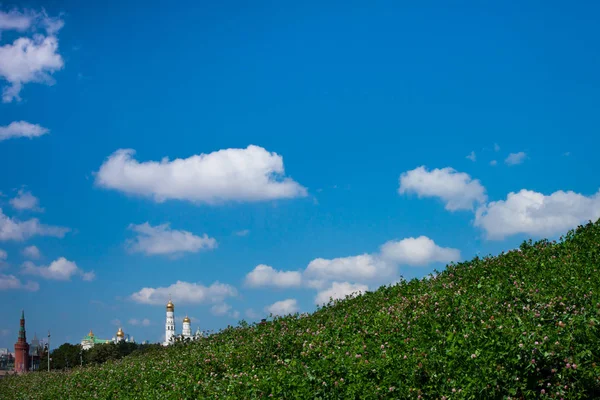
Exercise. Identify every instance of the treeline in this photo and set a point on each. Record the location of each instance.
(69, 356)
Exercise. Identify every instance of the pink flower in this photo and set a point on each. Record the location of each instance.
(473, 356)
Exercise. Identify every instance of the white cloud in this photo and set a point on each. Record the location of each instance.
(250, 174)
(456, 189)
(137, 322)
(29, 59)
(220, 309)
(379, 267)
(25, 201)
(264, 275)
(243, 232)
(493, 162)
(355, 268)
(31, 252)
(496, 147)
(418, 252)
(515, 158)
(12, 282)
(185, 293)
(536, 214)
(18, 129)
(161, 239)
(339, 290)
(283, 307)
(116, 322)
(12, 229)
(472, 156)
(3, 255)
(61, 270)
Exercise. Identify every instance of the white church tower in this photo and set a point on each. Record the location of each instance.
(170, 324)
(187, 328)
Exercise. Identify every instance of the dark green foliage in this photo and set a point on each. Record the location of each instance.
(520, 325)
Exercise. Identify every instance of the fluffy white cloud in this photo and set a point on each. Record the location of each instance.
(185, 293)
(496, 147)
(244, 232)
(456, 189)
(418, 251)
(12, 282)
(515, 158)
(137, 322)
(283, 307)
(355, 268)
(29, 59)
(536, 214)
(250, 174)
(220, 309)
(264, 275)
(31, 252)
(3, 255)
(161, 239)
(472, 156)
(15, 20)
(339, 290)
(25, 201)
(13, 229)
(493, 162)
(60, 270)
(17, 129)
(380, 267)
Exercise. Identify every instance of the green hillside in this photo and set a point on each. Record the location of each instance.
(523, 324)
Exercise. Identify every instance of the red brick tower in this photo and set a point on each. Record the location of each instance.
(22, 348)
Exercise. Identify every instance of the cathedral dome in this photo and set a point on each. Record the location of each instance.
(91, 334)
(170, 306)
(120, 333)
(186, 319)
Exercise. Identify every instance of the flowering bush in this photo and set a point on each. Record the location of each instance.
(523, 324)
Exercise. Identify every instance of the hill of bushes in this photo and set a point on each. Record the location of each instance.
(523, 324)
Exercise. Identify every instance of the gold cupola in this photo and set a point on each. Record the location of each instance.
(91, 334)
(170, 306)
(120, 333)
(186, 319)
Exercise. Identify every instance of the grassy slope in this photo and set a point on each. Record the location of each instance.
(513, 325)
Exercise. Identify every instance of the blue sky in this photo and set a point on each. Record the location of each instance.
(362, 119)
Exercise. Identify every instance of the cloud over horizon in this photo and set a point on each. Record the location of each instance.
(251, 174)
(457, 189)
(184, 293)
(162, 240)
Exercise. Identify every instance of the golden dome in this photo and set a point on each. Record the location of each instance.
(170, 306)
(91, 334)
(186, 319)
(120, 333)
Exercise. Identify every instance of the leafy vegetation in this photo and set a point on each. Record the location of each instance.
(523, 324)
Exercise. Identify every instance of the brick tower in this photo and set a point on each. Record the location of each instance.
(22, 348)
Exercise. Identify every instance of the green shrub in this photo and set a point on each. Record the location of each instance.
(520, 325)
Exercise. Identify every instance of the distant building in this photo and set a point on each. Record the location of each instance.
(170, 335)
(22, 348)
(36, 350)
(90, 340)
